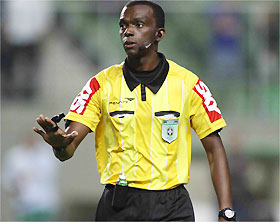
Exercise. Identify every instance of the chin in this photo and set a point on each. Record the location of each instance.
(133, 53)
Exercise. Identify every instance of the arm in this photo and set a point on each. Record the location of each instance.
(219, 169)
(64, 143)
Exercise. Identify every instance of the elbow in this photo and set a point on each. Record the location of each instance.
(63, 158)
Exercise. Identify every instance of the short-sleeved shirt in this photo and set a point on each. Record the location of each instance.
(149, 141)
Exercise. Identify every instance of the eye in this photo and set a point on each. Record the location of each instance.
(139, 25)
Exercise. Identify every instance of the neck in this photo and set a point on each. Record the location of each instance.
(144, 63)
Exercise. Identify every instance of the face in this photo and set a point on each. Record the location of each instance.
(137, 29)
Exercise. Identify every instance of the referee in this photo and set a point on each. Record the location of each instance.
(142, 112)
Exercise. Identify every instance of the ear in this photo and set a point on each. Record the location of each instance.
(160, 34)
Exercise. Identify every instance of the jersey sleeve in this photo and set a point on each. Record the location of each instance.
(205, 115)
(86, 107)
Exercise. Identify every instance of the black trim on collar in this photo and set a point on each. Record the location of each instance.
(155, 84)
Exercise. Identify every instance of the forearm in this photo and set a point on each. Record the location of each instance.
(220, 177)
(65, 153)
(219, 169)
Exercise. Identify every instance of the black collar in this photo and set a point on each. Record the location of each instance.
(155, 83)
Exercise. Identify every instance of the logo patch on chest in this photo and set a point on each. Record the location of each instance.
(169, 130)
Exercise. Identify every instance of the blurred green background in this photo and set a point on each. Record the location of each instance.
(49, 49)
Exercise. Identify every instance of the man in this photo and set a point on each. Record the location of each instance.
(141, 112)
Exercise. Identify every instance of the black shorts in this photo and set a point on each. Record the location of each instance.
(147, 205)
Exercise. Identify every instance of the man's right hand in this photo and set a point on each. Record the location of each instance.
(56, 139)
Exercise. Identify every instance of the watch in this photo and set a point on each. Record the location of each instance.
(228, 214)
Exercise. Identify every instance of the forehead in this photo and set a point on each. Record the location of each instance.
(137, 11)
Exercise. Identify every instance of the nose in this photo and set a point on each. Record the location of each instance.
(129, 31)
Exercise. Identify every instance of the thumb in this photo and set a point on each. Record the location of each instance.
(72, 134)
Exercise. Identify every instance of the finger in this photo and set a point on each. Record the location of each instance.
(40, 132)
(42, 123)
(42, 118)
(52, 123)
(45, 123)
(39, 121)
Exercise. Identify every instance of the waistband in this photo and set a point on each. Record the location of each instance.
(133, 189)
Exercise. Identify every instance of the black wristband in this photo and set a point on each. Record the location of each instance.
(54, 129)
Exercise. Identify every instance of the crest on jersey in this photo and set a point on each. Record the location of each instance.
(169, 130)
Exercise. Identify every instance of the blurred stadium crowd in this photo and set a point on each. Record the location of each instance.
(50, 48)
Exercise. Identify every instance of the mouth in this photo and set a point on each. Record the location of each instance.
(129, 44)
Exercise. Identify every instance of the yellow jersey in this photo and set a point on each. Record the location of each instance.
(149, 141)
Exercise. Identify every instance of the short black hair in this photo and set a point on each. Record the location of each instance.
(158, 11)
